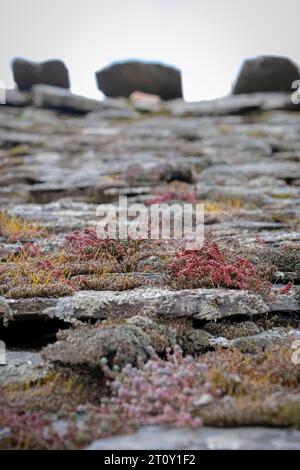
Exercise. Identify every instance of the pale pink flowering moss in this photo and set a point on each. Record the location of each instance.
(160, 391)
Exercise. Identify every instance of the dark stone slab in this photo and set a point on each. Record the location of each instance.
(122, 79)
(27, 73)
(266, 73)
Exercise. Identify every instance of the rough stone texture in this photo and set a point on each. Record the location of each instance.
(266, 73)
(17, 98)
(23, 368)
(254, 438)
(46, 96)
(208, 304)
(101, 160)
(253, 344)
(232, 105)
(239, 155)
(27, 73)
(122, 79)
(286, 303)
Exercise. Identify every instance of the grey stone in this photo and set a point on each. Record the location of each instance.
(252, 344)
(5, 433)
(17, 98)
(211, 304)
(168, 172)
(217, 107)
(282, 170)
(122, 79)
(231, 105)
(112, 108)
(27, 73)
(286, 303)
(23, 367)
(46, 96)
(265, 74)
(205, 304)
(251, 438)
(112, 113)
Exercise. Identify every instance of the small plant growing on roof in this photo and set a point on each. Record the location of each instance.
(212, 267)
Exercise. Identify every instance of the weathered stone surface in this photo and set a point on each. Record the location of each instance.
(56, 167)
(24, 308)
(289, 302)
(282, 170)
(155, 437)
(17, 98)
(28, 73)
(205, 304)
(266, 73)
(217, 107)
(156, 173)
(253, 344)
(46, 96)
(112, 109)
(231, 105)
(211, 303)
(23, 367)
(122, 79)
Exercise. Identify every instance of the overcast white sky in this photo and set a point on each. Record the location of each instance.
(207, 39)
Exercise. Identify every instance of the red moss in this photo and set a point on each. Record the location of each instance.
(88, 245)
(212, 267)
(285, 290)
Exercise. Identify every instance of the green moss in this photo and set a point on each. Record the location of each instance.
(194, 341)
(232, 330)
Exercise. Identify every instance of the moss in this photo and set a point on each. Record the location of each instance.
(246, 411)
(29, 410)
(273, 320)
(282, 195)
(224, 205)
(194, 341)
(284, 257)
(85, 346)
(111, 282)
(15, 229)
(75, 267)
(239, 390)
(255, 343)
(51, 290)
(161, 336)
(230, 330)
(212, 266)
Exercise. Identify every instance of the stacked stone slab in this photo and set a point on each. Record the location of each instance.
(122, 79)
(27, 73)
(266, 74)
